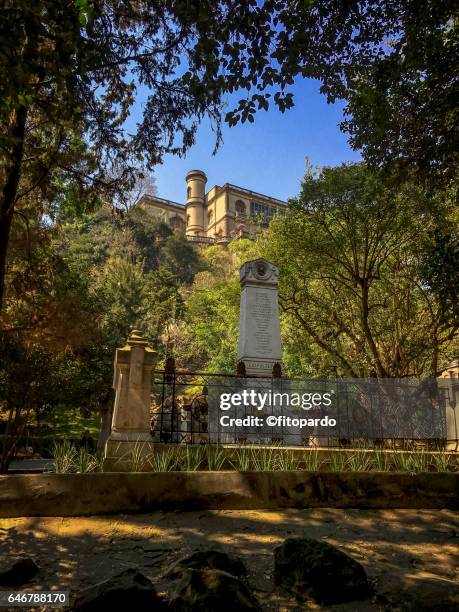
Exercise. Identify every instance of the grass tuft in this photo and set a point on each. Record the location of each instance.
(64, 456)
(215, 458)
(190, 458)
(311, 460)
(338, 461)
(287, 460)
(242, 459)
(264, 459)
(164, 460)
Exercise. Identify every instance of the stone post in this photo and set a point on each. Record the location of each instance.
(130, 438)
(449, 381)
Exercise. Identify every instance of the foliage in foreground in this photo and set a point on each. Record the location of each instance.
(67, 459)
(258, 459)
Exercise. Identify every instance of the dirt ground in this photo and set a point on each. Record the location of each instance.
(401, 550)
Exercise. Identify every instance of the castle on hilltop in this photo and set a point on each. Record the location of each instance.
(218, 216)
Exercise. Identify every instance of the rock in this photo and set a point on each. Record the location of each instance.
(18, 572)
(210, 591)
(129, 590)
(208, 559)
(307, 567)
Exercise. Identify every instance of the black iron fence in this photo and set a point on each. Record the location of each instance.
(186, 409)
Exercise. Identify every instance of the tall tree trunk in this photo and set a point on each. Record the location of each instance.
(106, 414)
(13, 432)
(8, 195)
(434, 362)
(382, 372)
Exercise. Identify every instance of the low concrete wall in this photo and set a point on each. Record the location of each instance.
(104, 493)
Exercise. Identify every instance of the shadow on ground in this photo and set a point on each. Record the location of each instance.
(393, 546)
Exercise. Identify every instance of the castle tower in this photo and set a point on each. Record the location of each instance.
(195, 203)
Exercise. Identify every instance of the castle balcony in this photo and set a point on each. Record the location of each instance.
(201, 239)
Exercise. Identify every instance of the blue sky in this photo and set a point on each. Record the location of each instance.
(268, 155)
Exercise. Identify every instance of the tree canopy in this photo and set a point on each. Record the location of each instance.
(70, 71)
(353, 253)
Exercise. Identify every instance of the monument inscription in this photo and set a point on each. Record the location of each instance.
(259, 344)
(260, 309)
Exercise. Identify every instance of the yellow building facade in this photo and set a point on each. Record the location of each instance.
(221, 214)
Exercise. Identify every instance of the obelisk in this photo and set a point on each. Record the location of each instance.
(259, 346)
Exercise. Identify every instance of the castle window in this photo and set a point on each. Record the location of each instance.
(188, 193)
(210, 215)
(188, 219)
(263, 212)
(240, 208)
(177, 223)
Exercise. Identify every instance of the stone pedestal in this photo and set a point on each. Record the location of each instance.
(449, 381)
(259, 346)
(130, 442)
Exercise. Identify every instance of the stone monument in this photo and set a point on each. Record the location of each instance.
(259, 347)
(130, 430)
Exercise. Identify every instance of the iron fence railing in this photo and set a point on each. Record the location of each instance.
(185, 410)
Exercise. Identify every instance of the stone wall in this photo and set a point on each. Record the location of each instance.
(105, 493)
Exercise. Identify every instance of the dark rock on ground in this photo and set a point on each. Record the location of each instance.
(209, 559)
(129, 590)
(309, 568)
(212, 591)
(18, 572)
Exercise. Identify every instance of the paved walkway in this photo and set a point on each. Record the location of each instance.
(30, 465)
